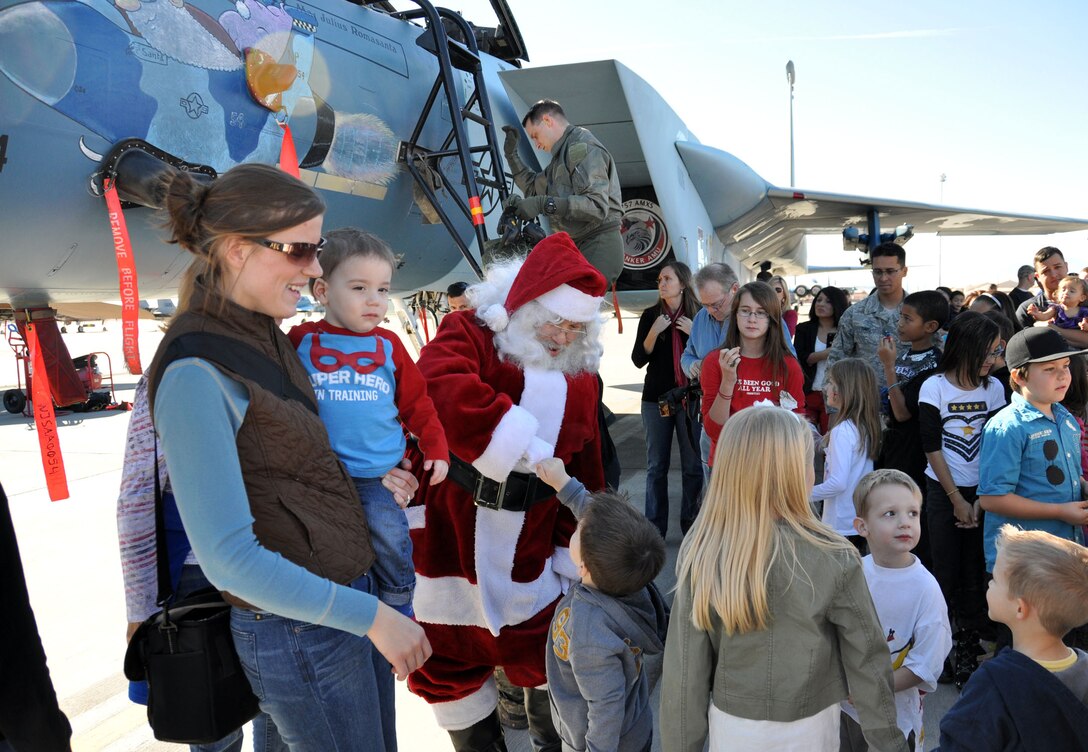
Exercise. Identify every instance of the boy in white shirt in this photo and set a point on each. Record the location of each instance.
(908, 600)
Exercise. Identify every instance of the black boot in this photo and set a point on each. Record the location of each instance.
(482, 736)
(542, 733)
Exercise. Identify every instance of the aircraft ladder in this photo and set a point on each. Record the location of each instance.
(480, 165)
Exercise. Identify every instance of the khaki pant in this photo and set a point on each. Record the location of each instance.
(605, 251)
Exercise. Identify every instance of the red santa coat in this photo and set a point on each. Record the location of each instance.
(487, 581)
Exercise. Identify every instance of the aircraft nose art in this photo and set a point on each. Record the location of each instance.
(56, 52)
(37, 52)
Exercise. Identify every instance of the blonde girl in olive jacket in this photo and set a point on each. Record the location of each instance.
(772, 624)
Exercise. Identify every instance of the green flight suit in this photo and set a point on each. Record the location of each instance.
(581, 172)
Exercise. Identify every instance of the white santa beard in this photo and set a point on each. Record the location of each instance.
(518, 343)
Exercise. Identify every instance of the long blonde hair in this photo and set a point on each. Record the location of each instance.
(727, 555)
(860, 397)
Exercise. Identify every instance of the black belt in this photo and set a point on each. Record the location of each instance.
(515, 494)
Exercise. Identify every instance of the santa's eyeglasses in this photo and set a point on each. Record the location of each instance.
(571, 329)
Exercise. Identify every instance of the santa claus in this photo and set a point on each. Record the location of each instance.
(514, 380)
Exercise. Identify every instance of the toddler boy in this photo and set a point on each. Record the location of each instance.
(908, 600)
(367, 386)
(1032, 697)
(609, 630)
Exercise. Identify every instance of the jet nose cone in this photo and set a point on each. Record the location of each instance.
(37, 51)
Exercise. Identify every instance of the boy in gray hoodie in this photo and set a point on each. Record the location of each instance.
(608, 631)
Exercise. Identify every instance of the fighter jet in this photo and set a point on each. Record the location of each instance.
(393, 115)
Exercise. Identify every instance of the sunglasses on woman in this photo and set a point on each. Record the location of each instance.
(301, 253)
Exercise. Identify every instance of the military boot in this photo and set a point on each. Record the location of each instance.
(483, 736)
(511, 702)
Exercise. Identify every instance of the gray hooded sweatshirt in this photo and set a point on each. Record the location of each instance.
(603, 661)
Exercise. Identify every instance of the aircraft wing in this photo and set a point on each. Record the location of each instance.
(758, 221)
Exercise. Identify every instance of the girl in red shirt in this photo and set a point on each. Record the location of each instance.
(753, 364)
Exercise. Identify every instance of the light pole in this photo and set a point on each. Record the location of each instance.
(791, 76)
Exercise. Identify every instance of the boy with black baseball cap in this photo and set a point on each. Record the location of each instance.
(1029, 463)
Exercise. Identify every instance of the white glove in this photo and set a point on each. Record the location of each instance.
(538, 451)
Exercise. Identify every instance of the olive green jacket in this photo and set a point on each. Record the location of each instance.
(581, 172)
(824, 640)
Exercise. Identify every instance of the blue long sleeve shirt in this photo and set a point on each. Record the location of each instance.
(706, 334)
(202, 459)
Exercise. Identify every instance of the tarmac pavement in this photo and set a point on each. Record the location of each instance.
(70, 554)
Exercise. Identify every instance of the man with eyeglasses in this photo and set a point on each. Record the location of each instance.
(864, 325)
(1050, 268)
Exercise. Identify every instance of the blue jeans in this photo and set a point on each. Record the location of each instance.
(393, 570)
(321, 686)
(659, 433)
(265, 736)
(704, 454)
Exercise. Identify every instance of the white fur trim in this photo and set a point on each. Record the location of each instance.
(495, 316)
(453, 601)
(570, 303)
(564, 566)
(508, 443)
(460, 714)
(456, 602)
(417, 517)
(545, 397)
(496, 600)
(497, 533)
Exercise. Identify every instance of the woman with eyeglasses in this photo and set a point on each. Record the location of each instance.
(272, 516)
(785, 298)
(953, 406)
(753, 365)
(663, 332)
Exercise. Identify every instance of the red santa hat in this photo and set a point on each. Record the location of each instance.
(556, 275)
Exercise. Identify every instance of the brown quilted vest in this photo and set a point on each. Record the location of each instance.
(303, 501)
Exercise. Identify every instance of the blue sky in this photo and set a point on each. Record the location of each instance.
(888, 97)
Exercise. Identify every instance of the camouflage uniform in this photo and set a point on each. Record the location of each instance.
(861, 328)
(583, 179)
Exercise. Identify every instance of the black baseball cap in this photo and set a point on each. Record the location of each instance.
(1037, 344)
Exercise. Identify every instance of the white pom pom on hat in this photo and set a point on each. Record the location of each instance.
(494, 316)
(557, 275)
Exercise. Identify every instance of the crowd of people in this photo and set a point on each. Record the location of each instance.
(467, 535)
(379, 518)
